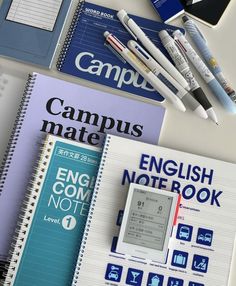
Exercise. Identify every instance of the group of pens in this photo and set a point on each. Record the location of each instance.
(175, 83)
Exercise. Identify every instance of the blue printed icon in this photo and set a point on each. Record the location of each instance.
(184, 232)
(134, 277)
(179, 259)
(119, 217)
(195, 284)
(204, 236)
(200, 263)
(113, 272)
(175, 282)
(155, 279)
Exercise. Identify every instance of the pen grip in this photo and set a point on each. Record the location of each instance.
(201, 98)
(190, 101)
(222, 96)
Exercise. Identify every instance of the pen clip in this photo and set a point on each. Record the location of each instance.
(114, 52)
(124, 18)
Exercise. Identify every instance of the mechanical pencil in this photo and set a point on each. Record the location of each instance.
(181, 64)
(162, 74)
(205, 73)
(138, 33)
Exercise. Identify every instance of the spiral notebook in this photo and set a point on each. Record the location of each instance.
(54, 106)
(85, 56)
(30, 29)
(201, 246)
(54, 214)
(11, 89)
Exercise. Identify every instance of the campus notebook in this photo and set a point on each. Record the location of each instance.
(64, 109)
(30, 29)
(54, 214)
(202, 241)
(85, 56)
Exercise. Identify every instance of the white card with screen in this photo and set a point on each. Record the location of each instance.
(39, 14)
(147, 222)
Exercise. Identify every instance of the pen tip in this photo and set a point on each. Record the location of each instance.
(185, 18)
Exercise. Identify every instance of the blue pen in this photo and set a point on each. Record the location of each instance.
(205, 73)
(201, 44)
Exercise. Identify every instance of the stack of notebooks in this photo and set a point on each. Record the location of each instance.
(73, 153)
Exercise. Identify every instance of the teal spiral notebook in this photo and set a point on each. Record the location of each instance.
(53, 218)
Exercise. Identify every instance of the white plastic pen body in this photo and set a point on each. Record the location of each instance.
(138, 33)
(143, 70)
(181, 64)
(167, 79)
(205, 73)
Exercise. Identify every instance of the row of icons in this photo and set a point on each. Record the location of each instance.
(204, 236)
(180, 259)
(135, 277)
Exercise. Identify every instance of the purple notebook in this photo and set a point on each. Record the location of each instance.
(74, 112)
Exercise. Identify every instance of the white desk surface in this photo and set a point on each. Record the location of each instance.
(182, 131)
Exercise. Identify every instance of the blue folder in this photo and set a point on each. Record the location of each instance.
(27, 43)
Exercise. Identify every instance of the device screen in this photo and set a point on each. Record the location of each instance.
(148, 219)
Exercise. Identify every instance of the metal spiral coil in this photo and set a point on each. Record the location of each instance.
(91, 210)
(16, 130)
(26, 213)
(70, 34)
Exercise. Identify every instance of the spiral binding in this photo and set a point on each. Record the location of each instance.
(70, 34)
(91, 210)
(26, 214)
(16, 130)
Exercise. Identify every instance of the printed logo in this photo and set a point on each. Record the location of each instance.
(200, 263)
(184, 232)
(179, 259)
(134, 277)
(175, 282)
(204, 236)
(113, 272)
(155, 279)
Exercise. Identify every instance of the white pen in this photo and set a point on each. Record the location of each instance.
(167, 79)
(205, 73)
(138, 33)
(143, 70)
(181, 64)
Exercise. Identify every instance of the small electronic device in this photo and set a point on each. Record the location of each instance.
(147, 222)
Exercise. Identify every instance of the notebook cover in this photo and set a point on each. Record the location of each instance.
(208, 11)
(56, 214)
(202, 241)
(74, 112)
(11, 89)
(168, 9)
(30, 44)
(85, 56)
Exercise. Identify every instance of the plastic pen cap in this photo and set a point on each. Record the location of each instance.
(164, 36)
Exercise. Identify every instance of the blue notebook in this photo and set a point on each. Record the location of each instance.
(85, 56)
(30, 30)
(54, 214)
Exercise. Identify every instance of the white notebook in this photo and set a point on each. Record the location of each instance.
(202, 241)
